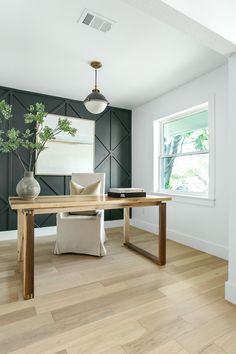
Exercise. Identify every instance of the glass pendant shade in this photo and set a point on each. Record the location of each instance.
(95, 102)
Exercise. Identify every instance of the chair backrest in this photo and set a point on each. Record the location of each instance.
(84, 179)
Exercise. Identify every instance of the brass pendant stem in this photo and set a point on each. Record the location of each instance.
(96, 79)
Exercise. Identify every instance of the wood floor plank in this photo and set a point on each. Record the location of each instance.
(17, 316)
(98, 342)
(227, 342)
(75, 296)
(212, 283)
(171, 347)
(157, 337)
(18, 334)
(192, 259)
(119, 297)
(197, 339)
(184, 284)
(118, 304)
(114, 350)
(208, 312)
(213, 349)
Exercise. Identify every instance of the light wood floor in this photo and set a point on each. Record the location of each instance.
(118, 304)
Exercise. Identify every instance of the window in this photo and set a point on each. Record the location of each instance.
(184, 156)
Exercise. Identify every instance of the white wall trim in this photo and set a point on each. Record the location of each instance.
(7, 235)
(39, 232)
(185, 239)
(50, 230)
(188, 240)
(230, 292)
(199, 244)
(188, 199)
(144, 225)
(113, 223)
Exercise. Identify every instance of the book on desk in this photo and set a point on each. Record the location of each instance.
(126, 192)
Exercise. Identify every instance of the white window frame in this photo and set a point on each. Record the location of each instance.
(157, 139)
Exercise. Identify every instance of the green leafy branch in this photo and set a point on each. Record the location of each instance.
(34, 140)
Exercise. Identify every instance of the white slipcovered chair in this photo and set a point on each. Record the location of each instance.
(84, 234)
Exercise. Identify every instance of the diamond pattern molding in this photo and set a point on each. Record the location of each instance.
(112, 151)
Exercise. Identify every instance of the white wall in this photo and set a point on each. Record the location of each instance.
(230, 288)
(201, 226)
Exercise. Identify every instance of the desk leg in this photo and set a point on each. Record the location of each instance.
(161, 259)
(28, 262)
(20, 234)
(126, 225)
(162, 234)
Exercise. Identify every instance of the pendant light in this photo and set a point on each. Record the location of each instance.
(95, 102)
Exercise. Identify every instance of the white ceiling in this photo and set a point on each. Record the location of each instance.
(222, 19)
(44, 49)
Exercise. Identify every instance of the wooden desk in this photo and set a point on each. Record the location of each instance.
(55, 204)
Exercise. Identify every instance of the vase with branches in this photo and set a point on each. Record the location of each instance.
(34, 139)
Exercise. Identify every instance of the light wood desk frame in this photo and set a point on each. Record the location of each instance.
(26, 211)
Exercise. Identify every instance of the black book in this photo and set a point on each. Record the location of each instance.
(126, 194)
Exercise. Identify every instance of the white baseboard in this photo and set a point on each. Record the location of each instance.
(39, 232)
(202, 245)
(50, 230)
(230, 292)
(7, 235)
(113, 223)
(144, 225)
(187, 240)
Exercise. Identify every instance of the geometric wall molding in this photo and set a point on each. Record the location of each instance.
(112, 151)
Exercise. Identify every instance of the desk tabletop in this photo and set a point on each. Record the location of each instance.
(82, 202)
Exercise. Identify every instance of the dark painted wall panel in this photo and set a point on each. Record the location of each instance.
(112, 151)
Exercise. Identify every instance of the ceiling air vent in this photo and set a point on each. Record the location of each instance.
(98, 22)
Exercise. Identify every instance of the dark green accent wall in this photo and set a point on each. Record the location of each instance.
(112, 151)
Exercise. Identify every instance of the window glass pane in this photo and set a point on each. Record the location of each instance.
(188, 134)
(185, 173)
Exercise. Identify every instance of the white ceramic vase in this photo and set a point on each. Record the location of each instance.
(28, 188)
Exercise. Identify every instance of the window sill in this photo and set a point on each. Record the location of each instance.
(189, 199)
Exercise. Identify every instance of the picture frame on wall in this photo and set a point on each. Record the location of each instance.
(68, 154)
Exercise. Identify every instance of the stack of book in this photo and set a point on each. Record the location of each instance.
(126, 192)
